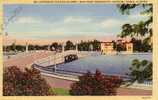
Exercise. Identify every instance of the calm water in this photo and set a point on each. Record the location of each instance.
(108, 64)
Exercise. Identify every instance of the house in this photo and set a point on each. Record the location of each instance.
(107, 47)
(129, 47)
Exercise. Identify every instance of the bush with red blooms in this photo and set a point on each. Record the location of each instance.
(24, 83)
(96, 84)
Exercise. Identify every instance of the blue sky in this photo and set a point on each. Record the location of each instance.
(66, 20)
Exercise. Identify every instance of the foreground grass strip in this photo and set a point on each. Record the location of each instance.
(59, 91)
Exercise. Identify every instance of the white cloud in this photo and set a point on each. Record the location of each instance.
(111, 23)
(72, 19)
(138, 16)
(24, 20)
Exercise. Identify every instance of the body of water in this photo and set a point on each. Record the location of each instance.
(108, 64)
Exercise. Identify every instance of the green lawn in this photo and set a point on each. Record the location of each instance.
(59, 91)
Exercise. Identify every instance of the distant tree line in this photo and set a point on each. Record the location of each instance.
(89, 45)
(93, 45)
(22, 48)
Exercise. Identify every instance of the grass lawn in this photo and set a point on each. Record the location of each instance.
(59, 91)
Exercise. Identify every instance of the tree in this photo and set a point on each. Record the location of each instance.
(120, 47)
(143, 27)
(69, 45)
(54, 45)
(126, 30)
(140, 71)
(114, 45)
(141, 46)
(140, 29)
(31, 47)
(147, 44)
(96, 45)
(85, 45)
(23, 83)
(148, 9)
(20, 48)
(96, 84)
(137, 45)
(13, 47)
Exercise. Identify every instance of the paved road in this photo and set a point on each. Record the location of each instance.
(25, 61)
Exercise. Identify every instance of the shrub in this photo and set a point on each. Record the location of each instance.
(28, 82)
(96, 84)
(140, 71)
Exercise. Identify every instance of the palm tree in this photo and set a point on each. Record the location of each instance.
(136, 30)
(126, 30)
(140, 71)
(148, 9)
(140, 29)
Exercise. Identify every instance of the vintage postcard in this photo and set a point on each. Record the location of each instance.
(79, 48)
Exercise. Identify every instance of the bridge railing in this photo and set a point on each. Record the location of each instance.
(50, 60)
(56, 58)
